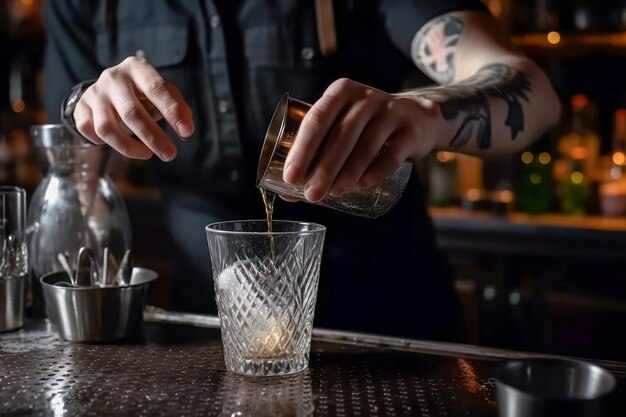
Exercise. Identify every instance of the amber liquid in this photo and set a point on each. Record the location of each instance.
(268, 202)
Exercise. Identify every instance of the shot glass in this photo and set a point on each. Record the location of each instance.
(266, 288)
(13, 257)
(370, 203)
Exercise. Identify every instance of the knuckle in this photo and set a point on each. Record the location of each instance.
(83, 125)
(313, 121)
(156, 86)
(103, 128)
(392, 106)
(172, 109)
(88, 95)
(150, 141)
(344, 83)
(108, 75)
(133, 61)
(129, 112)
(128, 60)
(339, 86)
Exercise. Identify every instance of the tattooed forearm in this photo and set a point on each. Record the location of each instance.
(434, 48)
(469, 100)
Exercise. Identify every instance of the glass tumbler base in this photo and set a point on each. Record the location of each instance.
(267, 367)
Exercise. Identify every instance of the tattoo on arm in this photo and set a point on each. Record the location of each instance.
(469, 99)
(434, 48)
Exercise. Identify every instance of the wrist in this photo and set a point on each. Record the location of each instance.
(427, 122)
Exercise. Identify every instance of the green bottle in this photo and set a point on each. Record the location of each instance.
(576, 189)
(534, 195)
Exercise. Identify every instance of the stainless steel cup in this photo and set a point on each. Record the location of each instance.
(96, 314)
(371, 203)
(12, 294)
(13, 257)
(553, 388)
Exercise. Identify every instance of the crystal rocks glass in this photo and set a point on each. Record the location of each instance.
(266, 288)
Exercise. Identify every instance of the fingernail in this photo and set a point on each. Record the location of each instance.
(362, 185)
(169, 155)
(337, 191)
(290, 174)
(184, 129)
(312, 193)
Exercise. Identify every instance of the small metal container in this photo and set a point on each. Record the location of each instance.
(96, 314)
(553, 388)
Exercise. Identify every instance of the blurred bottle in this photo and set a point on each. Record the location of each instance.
(576, 171)
(618, 16)
(469, 176)
(442, 179)
(534, 194)
(576, 189)
(582, 16)
(546, 15)
(5, 161)
(23, 17)
(618, 157)
(613, 187)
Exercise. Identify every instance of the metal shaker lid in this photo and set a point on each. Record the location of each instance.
(56, 135)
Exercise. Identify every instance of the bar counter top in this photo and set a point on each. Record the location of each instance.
(176, 369)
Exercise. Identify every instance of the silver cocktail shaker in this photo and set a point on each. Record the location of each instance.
(282, 131)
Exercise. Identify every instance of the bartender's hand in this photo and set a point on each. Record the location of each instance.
(134, 93)
(348, 127)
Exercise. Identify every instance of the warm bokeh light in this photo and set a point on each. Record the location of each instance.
(474, 194)
(579, 153)
(545, 158)
(554, 37)
(577, 177)
(579, 101)
(18, 106)
(527, 157)
(27, 2)
(506, 196)
(444, 157)
(619, 158)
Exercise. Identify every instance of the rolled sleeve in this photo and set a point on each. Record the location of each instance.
(404, 18)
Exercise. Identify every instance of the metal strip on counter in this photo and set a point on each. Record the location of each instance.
(157, 315)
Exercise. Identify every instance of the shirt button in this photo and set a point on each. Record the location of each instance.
(234, 175)
(307, 53)
(223, 106)
(215, 21)
(140, 53)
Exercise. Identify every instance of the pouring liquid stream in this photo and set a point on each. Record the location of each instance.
(268, 202)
